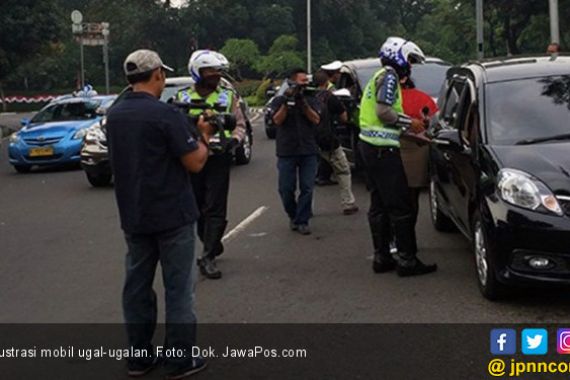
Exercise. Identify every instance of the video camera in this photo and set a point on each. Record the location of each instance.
(221, 121)
(295, 92)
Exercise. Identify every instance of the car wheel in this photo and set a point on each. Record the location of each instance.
(440, 221)
(243, 153)
(270, 131)
(101, 180)
(489, 285)
(22, 168)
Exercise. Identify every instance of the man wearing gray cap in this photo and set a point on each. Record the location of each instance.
(152, 149)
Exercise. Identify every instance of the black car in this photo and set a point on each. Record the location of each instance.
(355, 75)
(500, 168)
(94, 152)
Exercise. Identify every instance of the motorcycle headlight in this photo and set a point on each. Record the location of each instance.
(14, 138)
(521, 189)
(80, 134)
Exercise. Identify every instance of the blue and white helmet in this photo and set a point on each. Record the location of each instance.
(201, 59)
(401, 52)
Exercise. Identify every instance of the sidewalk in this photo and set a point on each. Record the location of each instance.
(10, 122)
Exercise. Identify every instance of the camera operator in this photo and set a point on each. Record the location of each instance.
(296, 117)
(327, 140)
(211, 185)
(325, 170)
(152, 148)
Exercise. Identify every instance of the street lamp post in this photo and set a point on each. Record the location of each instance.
(309, 63)
(105, 33)
(554, 24)
(480, 35)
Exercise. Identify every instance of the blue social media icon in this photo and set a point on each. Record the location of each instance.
(503, 342)
(534, 341)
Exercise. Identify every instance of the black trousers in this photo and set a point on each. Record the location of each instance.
(325, 170)
(390, 202)
(211, 187)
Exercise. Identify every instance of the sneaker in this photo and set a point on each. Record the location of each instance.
(198, 364)
(303, 229)
(417, 269)
(209, 269)
(293, 226)
(139, 369)
(393, 248)
(349, 210)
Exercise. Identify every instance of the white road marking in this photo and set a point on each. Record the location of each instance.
(244, 224)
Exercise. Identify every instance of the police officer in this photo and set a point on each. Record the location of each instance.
(382, 121)
(211, 185)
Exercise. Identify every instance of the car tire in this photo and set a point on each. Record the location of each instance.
(270, 131)
(102, 180)
(440, 221)
(22, 168)
(489, 286)
(244, 151)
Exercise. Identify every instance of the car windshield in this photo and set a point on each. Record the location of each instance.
(365, 73)
(429, 77)
(170, 91)
(68, 111)
(528, 109)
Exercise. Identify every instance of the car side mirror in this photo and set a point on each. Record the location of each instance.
(24, 122)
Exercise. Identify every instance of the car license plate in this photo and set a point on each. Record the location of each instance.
(41, 152)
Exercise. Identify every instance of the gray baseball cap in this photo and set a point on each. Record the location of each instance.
(142, 61)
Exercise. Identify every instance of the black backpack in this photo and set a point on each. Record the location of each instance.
(326, 134)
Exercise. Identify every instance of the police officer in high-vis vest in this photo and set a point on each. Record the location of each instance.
(211, 185)
(382, 121)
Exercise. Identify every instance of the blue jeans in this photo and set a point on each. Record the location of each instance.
(175, 251)
(305, 168)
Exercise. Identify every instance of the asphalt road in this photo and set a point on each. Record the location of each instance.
(62, 255)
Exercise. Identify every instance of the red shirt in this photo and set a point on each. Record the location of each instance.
(415, 100)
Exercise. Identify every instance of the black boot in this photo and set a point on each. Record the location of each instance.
(208, 268)
(379, 224)
(415, 268)
(213, 232)
(383, 263)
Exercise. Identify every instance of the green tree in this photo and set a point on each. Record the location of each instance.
(27, 28)
(242, 54)
(282, 57)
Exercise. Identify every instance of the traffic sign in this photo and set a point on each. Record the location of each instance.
(76, 17)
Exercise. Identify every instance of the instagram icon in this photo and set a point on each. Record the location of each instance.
(563, 343)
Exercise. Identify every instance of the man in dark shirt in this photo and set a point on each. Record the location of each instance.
(152, 148)
(331, 151)
(296, 117)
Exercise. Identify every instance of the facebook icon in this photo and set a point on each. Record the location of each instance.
(503, 342)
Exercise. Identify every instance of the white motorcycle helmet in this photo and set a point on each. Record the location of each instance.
(201, 59)
(401, 52)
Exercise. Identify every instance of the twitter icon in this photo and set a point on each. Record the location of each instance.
(534, 341)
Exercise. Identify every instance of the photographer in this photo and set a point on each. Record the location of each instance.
(152, 148)
(329, 145)
(296, 117)
(211, 185)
